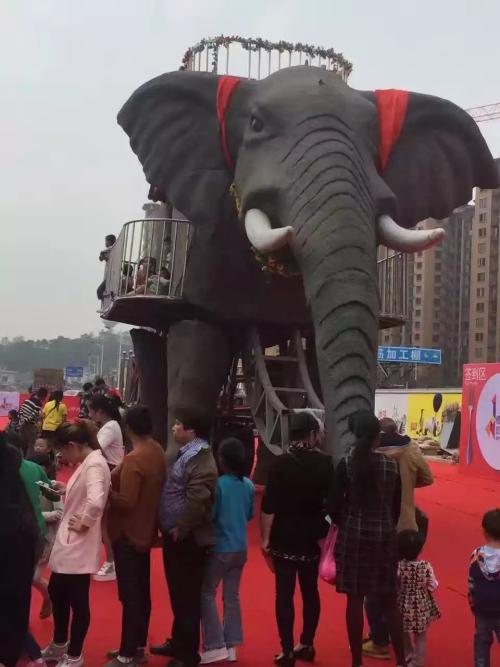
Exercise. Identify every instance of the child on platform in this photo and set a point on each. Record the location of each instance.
(233, 509)
(417, 605)
(484, 588)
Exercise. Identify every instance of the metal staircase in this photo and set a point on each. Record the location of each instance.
(278, 384)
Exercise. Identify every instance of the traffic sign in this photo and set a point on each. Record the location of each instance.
(73, 371)
(409, 355)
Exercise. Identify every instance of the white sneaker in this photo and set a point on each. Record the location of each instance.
(106, 573)
(54, 652)
(66, 661)
(215, 655)
(231, 654)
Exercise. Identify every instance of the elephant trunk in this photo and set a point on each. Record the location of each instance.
(333, 215)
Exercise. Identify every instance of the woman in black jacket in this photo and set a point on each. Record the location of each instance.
(292, 522)
(18, 542)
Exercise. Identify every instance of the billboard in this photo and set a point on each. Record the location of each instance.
(9, 400)
(413, 411)
(52, 378)
(480, 434)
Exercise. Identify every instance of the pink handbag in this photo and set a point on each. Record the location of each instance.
(327, 566)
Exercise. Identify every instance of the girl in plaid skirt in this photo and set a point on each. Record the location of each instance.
(365, 506)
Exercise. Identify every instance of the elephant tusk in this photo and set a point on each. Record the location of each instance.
(392, 235)
(262, 236)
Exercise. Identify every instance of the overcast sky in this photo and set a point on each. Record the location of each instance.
(67, 174)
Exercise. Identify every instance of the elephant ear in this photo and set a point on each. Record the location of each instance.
(174, 131)
(439, 156)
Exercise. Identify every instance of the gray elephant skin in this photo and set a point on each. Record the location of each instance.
(302, 147)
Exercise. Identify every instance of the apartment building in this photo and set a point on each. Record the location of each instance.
(439, 294)
(484, 339)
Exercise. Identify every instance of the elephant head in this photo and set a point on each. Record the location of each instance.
(322, 168)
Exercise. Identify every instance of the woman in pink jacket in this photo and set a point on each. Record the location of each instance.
(77, 547)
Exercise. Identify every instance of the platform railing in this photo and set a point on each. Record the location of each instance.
(149, 258)
(392, 274)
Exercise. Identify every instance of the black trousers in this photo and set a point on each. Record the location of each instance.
(184, 563)
(286, 572)
(70, 593)
(133, 578)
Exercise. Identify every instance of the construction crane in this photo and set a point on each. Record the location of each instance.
(484, 113)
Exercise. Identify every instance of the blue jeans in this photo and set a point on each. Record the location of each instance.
(225, 567)
(483, 639)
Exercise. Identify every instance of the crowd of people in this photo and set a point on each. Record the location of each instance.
(121, 495)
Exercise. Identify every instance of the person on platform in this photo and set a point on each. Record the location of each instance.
(76, 551)
(132, 528)
(54, 413)
(109, 242)
(19, 538)
(365, 505)
(293, 520)
(484, 588)
(186, 507)
(415, 473)
(234, 508)
(29, 419)
(416, 602)
(104, 412)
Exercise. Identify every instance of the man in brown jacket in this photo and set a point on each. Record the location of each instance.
(132, 527)
(414, 472)
(186, 523)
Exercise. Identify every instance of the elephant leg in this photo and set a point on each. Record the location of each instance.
(150, 351)
(199, 358)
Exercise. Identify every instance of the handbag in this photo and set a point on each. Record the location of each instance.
(327, 565)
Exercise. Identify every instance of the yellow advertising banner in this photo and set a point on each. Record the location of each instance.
(421, 418)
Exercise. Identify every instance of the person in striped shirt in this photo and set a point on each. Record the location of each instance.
(29, 419)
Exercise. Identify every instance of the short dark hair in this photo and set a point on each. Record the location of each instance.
(110, 238)
(42, 458)
(106, 405)
(12, 413)
(232, 454)
(491, 524)
(410, 544)
(302, 424)
(193, 420)
(87, 386)
(99, 382)
(138, 420)
(388, 426)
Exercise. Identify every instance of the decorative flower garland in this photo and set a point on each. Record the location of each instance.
(281, 263)
(337, 59)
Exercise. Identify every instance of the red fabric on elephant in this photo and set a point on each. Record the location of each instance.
(225, 88)
(392, 105)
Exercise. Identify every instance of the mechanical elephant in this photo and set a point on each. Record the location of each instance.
(321, 174)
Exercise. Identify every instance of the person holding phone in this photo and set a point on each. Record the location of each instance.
(77, 547)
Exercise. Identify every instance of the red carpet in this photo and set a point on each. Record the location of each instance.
(455, 505)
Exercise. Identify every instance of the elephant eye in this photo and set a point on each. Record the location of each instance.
(256, 124)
